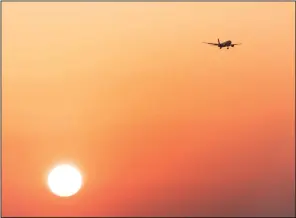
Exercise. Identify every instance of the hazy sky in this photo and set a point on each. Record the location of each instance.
(159, 123)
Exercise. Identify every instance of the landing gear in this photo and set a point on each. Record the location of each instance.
(227, 47)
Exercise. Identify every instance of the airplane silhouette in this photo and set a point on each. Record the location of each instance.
(223, 44)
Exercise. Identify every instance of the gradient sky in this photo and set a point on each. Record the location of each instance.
(159, 123)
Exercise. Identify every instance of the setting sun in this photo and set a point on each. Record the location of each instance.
(64, 180)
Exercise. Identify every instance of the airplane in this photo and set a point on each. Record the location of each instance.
(223, 44)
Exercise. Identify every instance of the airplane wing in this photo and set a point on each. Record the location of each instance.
(211, 43)
(237, 44)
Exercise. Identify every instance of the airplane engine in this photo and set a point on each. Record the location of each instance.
(232, 45)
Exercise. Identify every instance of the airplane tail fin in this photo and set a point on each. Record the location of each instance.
(218, 41)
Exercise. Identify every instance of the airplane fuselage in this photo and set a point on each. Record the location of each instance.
(225, 44)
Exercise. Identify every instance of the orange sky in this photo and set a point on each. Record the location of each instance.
(159, 123)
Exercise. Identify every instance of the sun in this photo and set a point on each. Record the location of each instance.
(64, 180)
